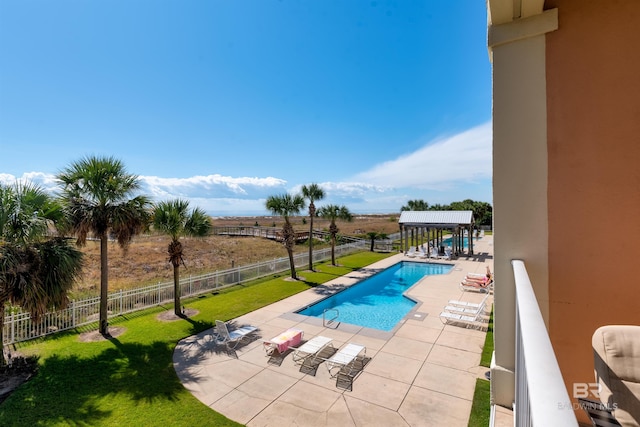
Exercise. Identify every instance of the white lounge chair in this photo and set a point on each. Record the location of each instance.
(344, 360)
(466, 304)
(468, 308)
(468, 316)
(447, 254)
(467, 286)
(434, 253)
(422, 253)
(470, 282)
(411, 253)
(311, 349)
(232, 338)
(476, 320)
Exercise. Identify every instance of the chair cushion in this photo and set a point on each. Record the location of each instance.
(617, 366)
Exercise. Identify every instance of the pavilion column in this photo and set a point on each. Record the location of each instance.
(406, 235)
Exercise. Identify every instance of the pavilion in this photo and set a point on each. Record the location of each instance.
(418, 226)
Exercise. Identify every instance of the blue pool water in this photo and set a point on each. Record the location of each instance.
(378, 301)
(465, 241)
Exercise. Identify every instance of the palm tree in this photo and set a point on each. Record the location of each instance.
(36, 271)
(286, 205)
(374, 235)
(174, 219)
(334, 212)
(415, 205)
(98, 194)
(313, 192)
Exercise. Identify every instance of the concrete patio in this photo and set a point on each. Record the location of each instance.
(422, 373)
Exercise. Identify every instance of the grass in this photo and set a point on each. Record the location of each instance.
(145, 261)
(487, 350)
(130, 380)
(481, 407)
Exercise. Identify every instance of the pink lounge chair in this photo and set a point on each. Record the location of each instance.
(278, 345)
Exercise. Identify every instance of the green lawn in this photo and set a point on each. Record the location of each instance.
(130, 380)
(487, 350)
(481, 408)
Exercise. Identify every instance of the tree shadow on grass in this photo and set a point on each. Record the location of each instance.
(72, 390)
(329, 290)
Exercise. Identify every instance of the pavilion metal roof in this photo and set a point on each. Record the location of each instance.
(436, 218)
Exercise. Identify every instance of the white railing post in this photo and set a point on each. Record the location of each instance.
(13, 327)
(541, 396)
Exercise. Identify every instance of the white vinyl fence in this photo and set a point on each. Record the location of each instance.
(18, 325)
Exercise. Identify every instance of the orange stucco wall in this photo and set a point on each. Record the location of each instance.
(593, 106)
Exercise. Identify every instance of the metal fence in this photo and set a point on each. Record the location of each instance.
(18, 325)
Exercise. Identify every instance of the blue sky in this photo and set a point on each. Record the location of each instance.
(227, 102)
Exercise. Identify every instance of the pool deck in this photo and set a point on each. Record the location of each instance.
(422, 373)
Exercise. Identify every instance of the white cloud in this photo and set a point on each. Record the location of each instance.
(230, 206)
(211, 186)
(344, 189)
(444, 170)
(441, 164)
(44, 180)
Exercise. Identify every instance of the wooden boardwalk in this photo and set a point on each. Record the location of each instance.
(271, 233)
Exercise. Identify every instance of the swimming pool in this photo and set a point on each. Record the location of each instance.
(378, 302)
(465, 241)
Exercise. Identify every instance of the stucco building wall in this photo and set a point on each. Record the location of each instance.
(593, 140)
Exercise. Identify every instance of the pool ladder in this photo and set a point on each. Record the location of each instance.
(327, 322)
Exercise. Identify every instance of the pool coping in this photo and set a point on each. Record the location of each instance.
(372, 332)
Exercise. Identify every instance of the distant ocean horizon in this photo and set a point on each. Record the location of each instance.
(263, 214)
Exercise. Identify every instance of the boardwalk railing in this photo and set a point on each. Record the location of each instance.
(18, 325)
(274, 233)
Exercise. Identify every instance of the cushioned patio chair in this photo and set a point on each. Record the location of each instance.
(232, 338)
(600, 415)
(411, 253)
(616, 351)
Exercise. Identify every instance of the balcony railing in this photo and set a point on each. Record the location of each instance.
(541, 396)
